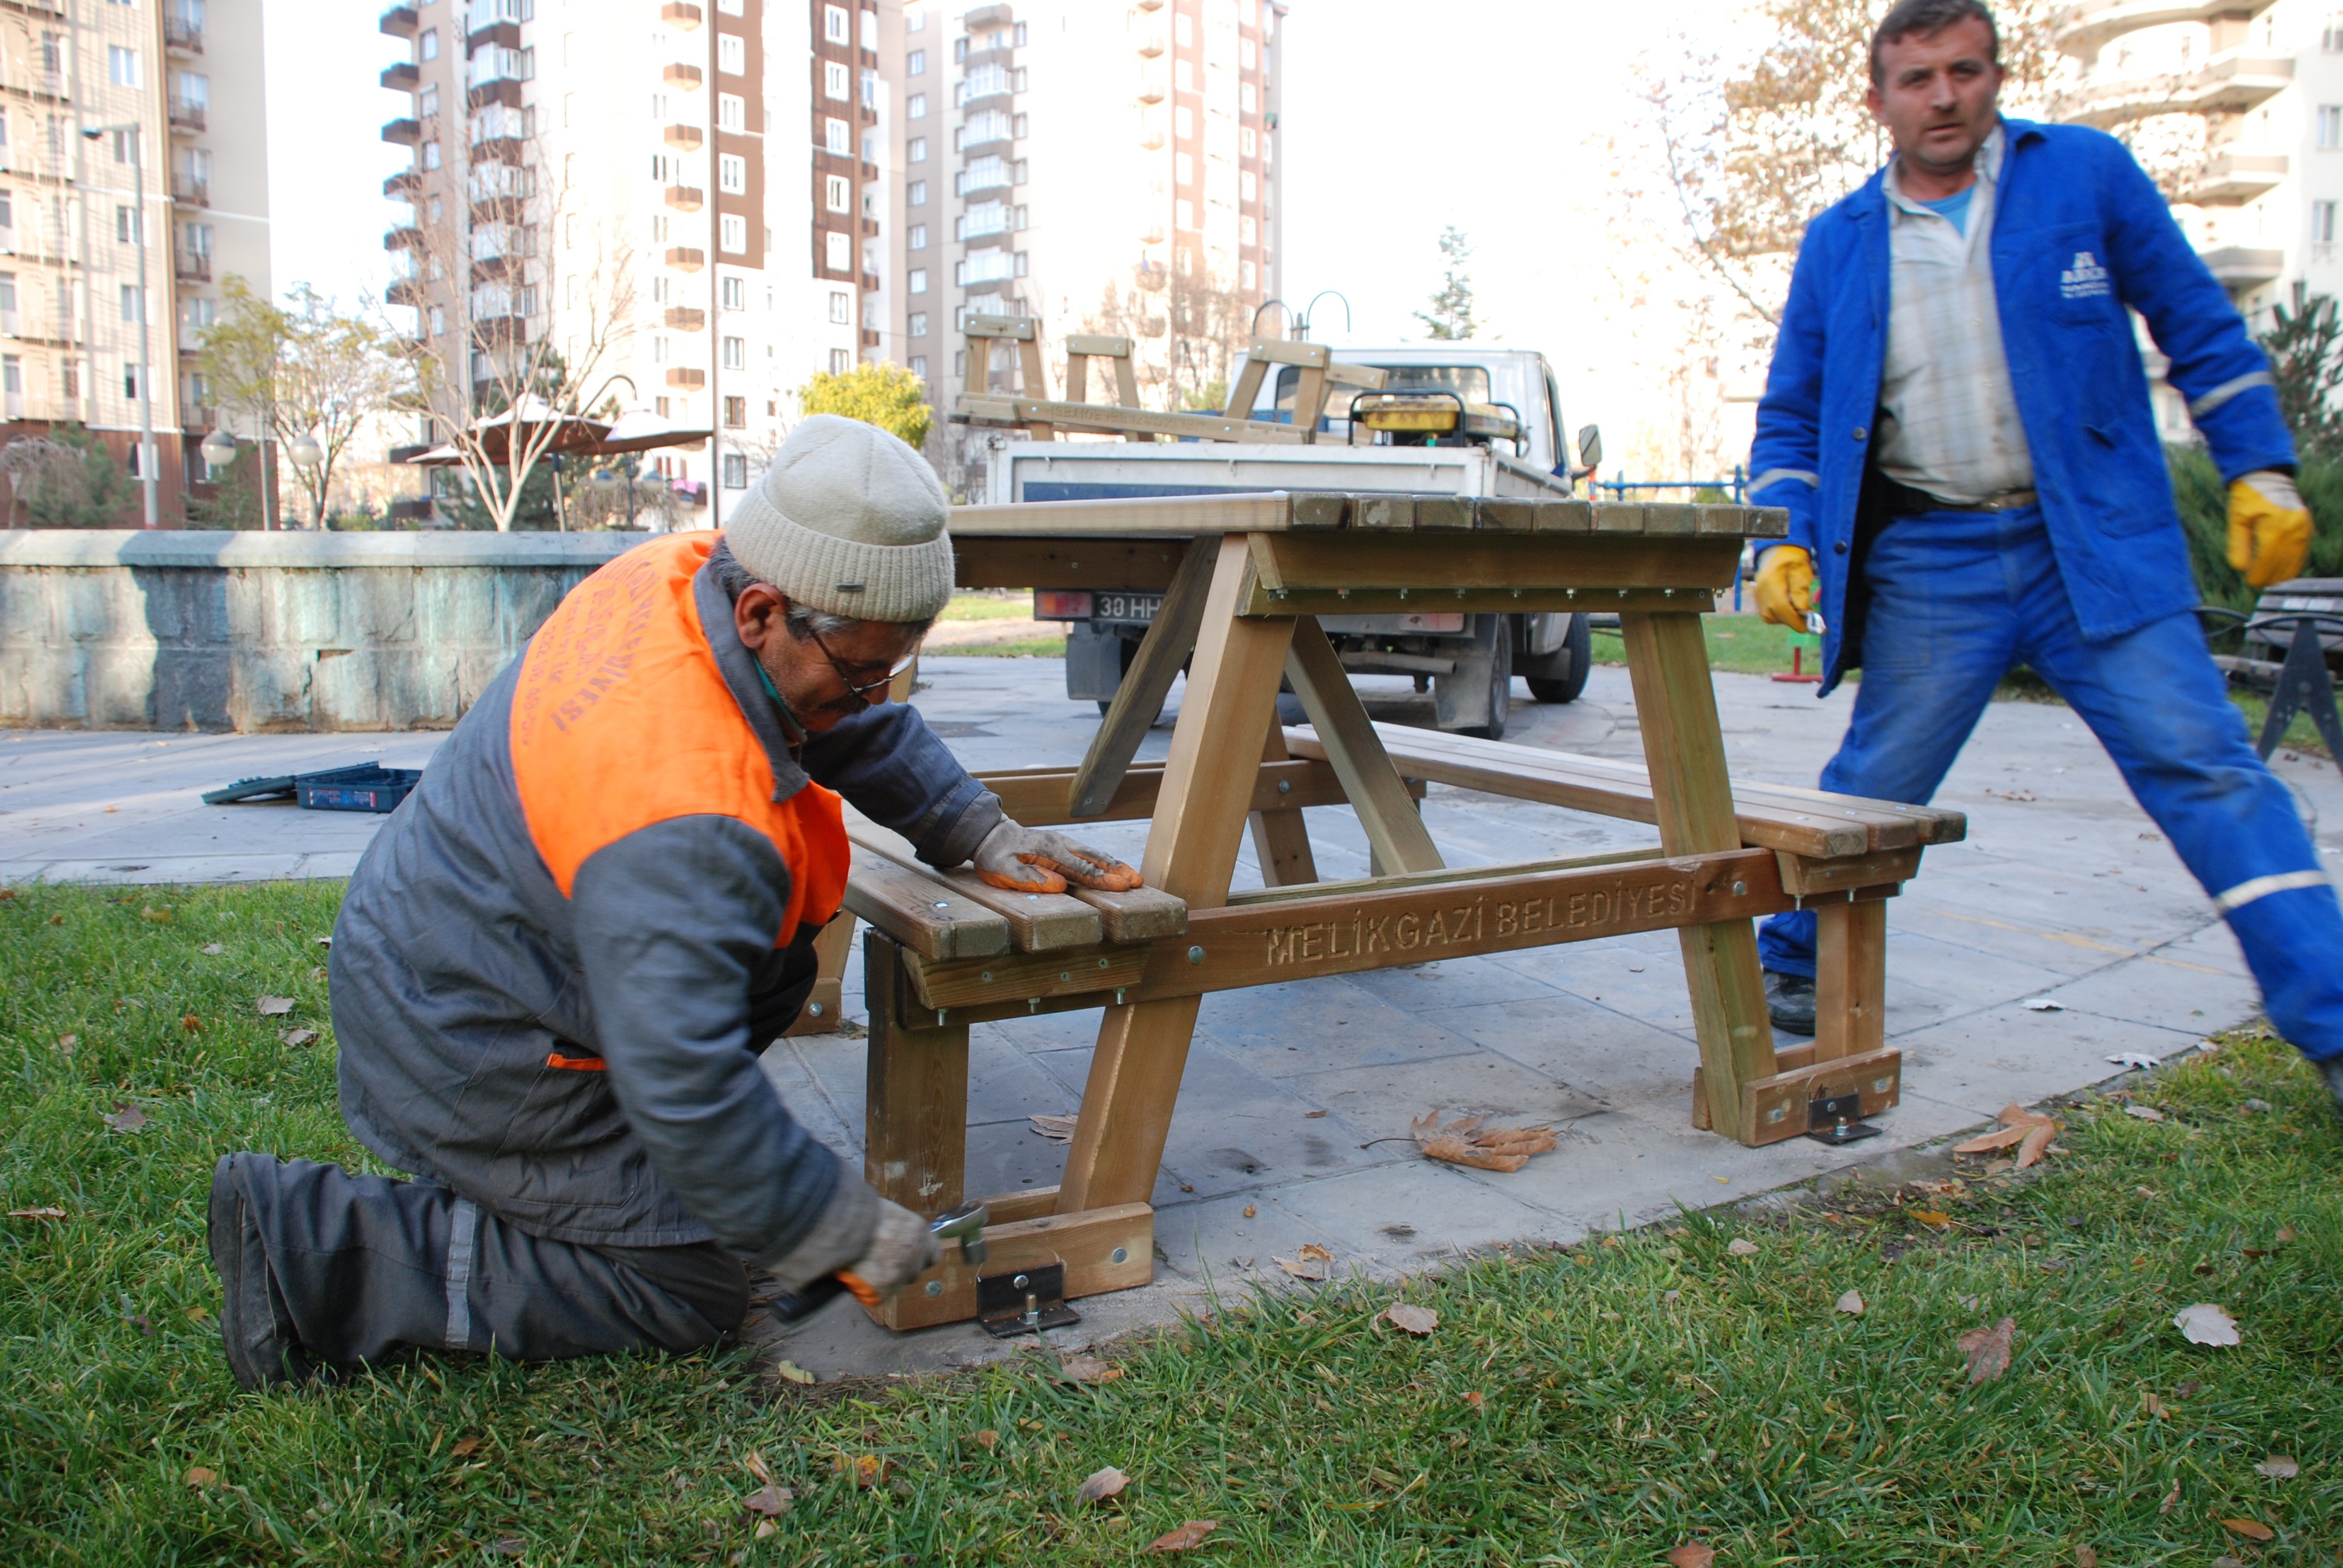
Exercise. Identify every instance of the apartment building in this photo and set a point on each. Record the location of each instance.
(1098, 164)
(625, 182)
(175, 91)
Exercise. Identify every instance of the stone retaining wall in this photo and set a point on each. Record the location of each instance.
(128, 629)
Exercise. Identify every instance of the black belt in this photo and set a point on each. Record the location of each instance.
(1904, 501)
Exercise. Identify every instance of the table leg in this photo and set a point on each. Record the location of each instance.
(819, 1014)
(1191, 850)
(915, 1122)
(1675, 706)
(1281, 840)
(1170, 638)
(1850, 978)
(1395, 833)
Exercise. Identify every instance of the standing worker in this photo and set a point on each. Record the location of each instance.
(1957, 420)
(558, 963)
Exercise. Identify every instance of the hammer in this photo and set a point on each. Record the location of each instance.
(964, 1225)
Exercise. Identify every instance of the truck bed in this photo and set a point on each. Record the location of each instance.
(1108, 470)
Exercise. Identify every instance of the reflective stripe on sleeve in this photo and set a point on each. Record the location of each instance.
(1771, 475)
(2244, 893)
(464, 1231)
(2219, 394)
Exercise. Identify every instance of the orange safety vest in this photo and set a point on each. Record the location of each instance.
(621, 719)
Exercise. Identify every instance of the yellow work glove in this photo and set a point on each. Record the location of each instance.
(1785, 586)
(2269, 529)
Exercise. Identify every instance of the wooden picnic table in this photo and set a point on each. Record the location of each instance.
(1244, 577)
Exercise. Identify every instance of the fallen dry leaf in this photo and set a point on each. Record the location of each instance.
(1988, 1349)
(213, 948)
(65, 1042)
(2145, 1112)
(2086, 1557)
(161, 917)
(199, 1476)
(1057, 1129)
(2204, 1323)
(1409, 1318)
(1314, 1270)
(1934, 1218)
(1742, 1246)
(1850, 1303)
(2155, 1406)
(36, 1213)
(765, 1528)
(1250, 1210)
(2251, 1529)
(2017, 1115)
(274, 1006)
(1088, 1369)
(770, 1501)
(792, 1373)
(297, 1037)
(1465, 1142)
(1474, 1399)
(509, 1546)
(126, 1118)
(465, 1448)
(1186, 1538)
(758, 1468)
(192, 1024)
(865, 1470)
(2171, 1499)
(987, 1438)
(1690, 1555)
(2278, 1467)
(1312, 1115)
(1101, 1485)
(2038, 1144)
(1987, 1142)
(2284, 1234)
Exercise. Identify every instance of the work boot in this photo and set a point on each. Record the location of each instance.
(1790, 1001)
(2332, 1070)
(255, 1330)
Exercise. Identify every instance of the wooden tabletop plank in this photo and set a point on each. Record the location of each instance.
(1380, 512)
(1037, 922)
(1141, 915)
(919, 913)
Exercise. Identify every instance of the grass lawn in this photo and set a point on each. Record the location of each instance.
(1599, 1405)
(989, 604)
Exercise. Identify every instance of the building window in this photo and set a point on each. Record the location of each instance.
(837, 137)
(871, 29)
(836, 25)
(1246, 98)
(838, 252)
(915, 63)
(427, 44)
(869, 146)
(917, 237)
(1185, 213)
(126, 225)
(431, 154)
(841, 362)
(736, 464)
(733, 233)
(2330, 126)
(1247, 274)
(841, 193)
(736, 294)
(870, 90)
(916, 280)
(1183, 75)
(918, 324)
(122, 67)
(439, 320)
(1183, 29)
(842, 311)
(134, 298)
(1248, 186)
(731, 54)
(915, 20)
(1245, 52)
(1183, 122)
(915, 108)
(736, 354)
(917, 196)
(731, 7)
(834, 80)
(2322, 227)
(916, 152)
(732, 174)
(2331, 40)
(1183, 168)
(920, 366)
(1249, 140)
(731, 112)
(736, 413)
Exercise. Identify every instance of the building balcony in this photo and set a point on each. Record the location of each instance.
(403, 133)
(1152, 141)
(688, 137)
(680, 13)
(2233, 179)
(191, 266)
(511, 150)
(2083, 30)
(408, 237)
(403, 78)
(496, 268)
(1152, 236)
(505, 91)
(688, 380)
(2227, 84)
(504, 35)
(189, 191)
(1151, 48)
(982, 17)
(2241, 268)
(398, 22)
(684, 318)
(679, 75)
(686, 198)
(499, 331)
(404, 185)
(1151, 91)
(187, 117)
(182, 35)
(686, 258)
(403, 291)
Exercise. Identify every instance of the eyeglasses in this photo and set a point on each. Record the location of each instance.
(862, 692)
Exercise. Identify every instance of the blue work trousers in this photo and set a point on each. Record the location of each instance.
(1958, 599)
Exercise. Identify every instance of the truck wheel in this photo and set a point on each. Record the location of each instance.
(1500, 690)
(1578, 647)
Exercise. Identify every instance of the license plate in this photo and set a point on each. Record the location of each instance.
(1125, 609)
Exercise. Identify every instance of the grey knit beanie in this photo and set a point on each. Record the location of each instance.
(848, 520)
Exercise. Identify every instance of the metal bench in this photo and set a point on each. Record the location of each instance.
(2295, 631)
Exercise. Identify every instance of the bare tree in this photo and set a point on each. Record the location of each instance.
(1188, 332)
(28, 462)
(489, 344)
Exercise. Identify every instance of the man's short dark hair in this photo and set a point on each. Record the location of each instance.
(1927, 18)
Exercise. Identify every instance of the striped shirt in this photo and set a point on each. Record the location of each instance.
(1948, 420)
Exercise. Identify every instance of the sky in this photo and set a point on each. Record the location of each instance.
(1399, 119)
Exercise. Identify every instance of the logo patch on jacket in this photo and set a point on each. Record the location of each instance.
(2086, 279)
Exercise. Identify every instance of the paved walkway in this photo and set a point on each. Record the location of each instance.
(1297, 1099)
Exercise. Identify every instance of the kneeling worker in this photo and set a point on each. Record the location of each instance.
(558, 962)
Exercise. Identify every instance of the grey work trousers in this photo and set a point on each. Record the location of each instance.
(368, 1267)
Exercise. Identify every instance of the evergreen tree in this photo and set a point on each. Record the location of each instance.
(1451, 316)
(2305, 356)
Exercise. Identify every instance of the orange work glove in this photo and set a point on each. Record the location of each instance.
(1035, 861)
(2269, 528)
(1785, 586)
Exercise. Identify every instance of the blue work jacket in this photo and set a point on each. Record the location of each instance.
(2079, 233)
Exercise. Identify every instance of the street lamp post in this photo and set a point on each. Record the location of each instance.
(149, 477)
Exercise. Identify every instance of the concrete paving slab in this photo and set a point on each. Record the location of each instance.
(2071, 893)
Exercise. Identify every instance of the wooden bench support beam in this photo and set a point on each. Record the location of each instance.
(1170, 638)
(1281, 840)
(820, 1015)
(1850, 980)
(915, 1120)
(1103, 1249)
